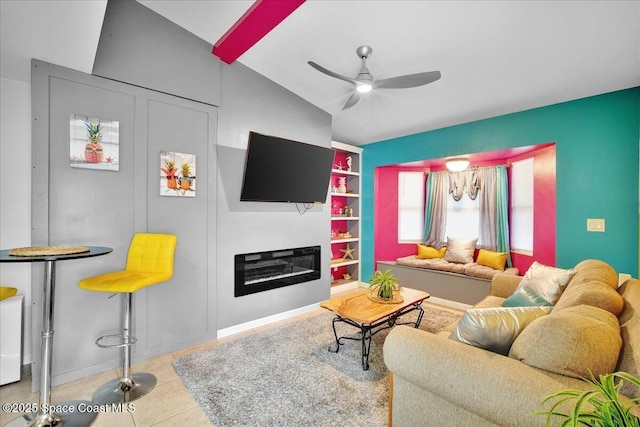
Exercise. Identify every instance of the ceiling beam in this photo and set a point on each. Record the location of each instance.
(262, 17)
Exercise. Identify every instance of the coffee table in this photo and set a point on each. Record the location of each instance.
(371, 317)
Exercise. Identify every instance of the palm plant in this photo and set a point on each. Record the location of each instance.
(384, 283)
(599, 407)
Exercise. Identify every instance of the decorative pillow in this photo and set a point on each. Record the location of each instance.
(496, 328)
(491, 259)
(460, 250)
(6, 292)
(429, 252)
(577, 342)
(525, 297)
(544, 281)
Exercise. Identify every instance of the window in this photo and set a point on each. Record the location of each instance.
(521, 194)
(410, 207)
(463, 217)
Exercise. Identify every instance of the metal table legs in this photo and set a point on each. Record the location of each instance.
(367, 331)
(67, 414)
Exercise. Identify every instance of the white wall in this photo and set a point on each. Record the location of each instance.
(15, 191)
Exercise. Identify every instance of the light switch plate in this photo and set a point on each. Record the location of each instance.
(595, 224)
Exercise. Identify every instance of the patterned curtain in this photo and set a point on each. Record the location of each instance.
(502, 212)
(490, 184)
(467, 181)
(488, 208)
(435, 215)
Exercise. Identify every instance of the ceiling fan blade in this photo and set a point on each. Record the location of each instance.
(410, 80)
(331, 73)
(353, 100)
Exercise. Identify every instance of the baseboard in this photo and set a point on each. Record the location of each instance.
(449, 303)
(242, 327)
(345, 287)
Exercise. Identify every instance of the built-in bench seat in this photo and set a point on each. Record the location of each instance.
(462, 283)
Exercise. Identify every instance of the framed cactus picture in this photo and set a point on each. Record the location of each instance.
(177, 174)
(94, 143)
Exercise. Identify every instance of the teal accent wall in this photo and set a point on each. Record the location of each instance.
(597, 155)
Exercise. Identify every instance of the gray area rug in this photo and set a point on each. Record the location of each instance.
(287, 377)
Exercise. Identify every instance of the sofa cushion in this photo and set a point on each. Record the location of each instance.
(495, 329)
(629, 319)
(594, 269)
(595, 293)
(429, 252)
(460, 250)
(495, 260)
(577, 341)
(544, 281)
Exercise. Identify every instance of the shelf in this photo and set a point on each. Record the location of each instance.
(345, 194)
(352, 202)
(350, 239)
(343, 263)
(342, 172)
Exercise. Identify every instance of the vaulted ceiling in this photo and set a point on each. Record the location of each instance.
(496, 57)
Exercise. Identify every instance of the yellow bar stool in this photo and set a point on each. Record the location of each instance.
(149, 261)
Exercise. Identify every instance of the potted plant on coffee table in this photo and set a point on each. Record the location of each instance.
(385, 288)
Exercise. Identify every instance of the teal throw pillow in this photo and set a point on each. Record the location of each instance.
(525, 297)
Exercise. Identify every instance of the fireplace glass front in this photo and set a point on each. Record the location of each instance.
(262, 271)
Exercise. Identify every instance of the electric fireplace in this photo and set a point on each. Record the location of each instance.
(262, 271)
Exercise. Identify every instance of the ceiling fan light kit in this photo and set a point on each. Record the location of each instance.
(457, 164)
(364, 81)
(364, 88)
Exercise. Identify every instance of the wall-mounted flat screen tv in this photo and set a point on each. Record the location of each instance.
(281, 170)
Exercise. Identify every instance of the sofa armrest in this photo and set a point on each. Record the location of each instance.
(502, 390)
(503, 285)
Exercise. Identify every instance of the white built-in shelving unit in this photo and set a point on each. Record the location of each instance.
(345, 218)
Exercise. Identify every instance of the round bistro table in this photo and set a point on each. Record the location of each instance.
(66, 414)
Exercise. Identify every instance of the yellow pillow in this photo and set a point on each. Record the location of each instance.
(495, 260)
(428, 252)
(6, 292)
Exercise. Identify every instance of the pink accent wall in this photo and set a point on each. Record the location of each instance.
(544, 210)
(386, 246)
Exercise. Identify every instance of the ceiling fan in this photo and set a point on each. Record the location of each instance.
(364, 81)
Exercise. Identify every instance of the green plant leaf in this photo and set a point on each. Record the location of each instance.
(599, 407)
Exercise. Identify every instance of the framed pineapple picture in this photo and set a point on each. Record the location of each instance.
(177, 174)
(94, 143)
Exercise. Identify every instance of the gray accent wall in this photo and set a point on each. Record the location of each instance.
(251, 102)
(89, 207)
(143, 48)
(73, 206)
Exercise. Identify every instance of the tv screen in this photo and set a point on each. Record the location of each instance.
(281, 170)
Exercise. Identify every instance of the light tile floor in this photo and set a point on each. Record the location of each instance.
(168, 404)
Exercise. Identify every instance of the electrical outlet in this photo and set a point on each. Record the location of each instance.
(595, 224)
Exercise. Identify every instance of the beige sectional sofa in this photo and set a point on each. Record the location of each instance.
(438, 381)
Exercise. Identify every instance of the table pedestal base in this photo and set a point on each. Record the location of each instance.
(76, 415)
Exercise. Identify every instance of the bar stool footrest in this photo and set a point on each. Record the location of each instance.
(125, 342)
